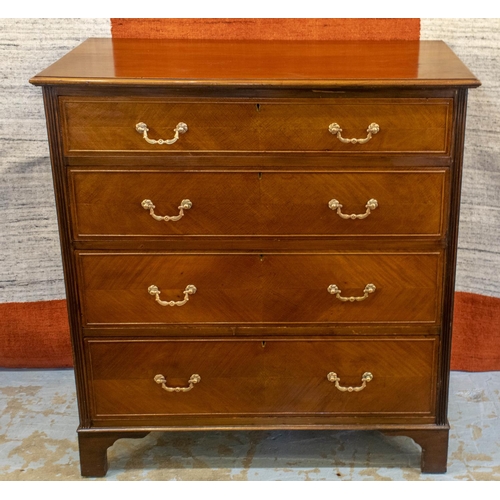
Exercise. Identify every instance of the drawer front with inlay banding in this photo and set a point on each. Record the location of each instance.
(158, 126)
(155, 203)
(235, 377)
(247, 288)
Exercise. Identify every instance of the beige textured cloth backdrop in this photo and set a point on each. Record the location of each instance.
(30, 258)
(477, 43)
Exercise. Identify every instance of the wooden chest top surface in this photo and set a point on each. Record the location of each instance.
(272, 63)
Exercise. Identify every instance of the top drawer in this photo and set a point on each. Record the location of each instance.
(121, 125)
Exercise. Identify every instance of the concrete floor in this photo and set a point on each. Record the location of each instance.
(38, 420)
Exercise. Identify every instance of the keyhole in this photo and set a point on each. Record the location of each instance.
(258, 107)
(260, 176)
(263, 343)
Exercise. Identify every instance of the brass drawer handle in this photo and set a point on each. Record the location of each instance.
(334, 290)
(367, 377)
(148, 205)
(335, 129)
(194, 379)
(190, 290)
(180, 128)
(370, 205)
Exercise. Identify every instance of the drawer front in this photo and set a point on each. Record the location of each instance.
(110, 125)
(255, 377)
(111, 203)
(266, 288)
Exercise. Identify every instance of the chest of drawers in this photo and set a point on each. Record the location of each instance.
(258, 235)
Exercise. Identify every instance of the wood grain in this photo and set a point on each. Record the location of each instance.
(93, 447)
(260, 288)
(108, 125)
(107, 203)
(249, 377)
(434, 443)
(187, 63)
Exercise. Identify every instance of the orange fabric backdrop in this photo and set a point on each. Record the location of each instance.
(476, 333)
(35, 335)
(268, 29)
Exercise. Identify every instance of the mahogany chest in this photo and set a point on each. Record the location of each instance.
(258, 235)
